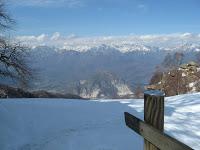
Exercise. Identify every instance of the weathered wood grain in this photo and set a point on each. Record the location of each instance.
(155, 136)
(153, 113)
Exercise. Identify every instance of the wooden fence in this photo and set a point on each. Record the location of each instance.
(152, 128)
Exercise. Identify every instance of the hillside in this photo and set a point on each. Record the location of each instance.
(181, 80)
(60, 68)
(69, 66)
(90, 125)
(13, 92)
(102, 85)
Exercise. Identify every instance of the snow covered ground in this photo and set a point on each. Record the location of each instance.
(43, 124)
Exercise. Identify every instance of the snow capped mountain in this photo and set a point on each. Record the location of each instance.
(105, 48)
(116, 48)
(187, 47)
(131, 43)
(132, 47)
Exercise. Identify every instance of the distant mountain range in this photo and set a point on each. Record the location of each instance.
(60, 69)
(103, 71)
(105, 66)
(122, 43)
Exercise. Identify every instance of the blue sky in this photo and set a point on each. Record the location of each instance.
(105, 17)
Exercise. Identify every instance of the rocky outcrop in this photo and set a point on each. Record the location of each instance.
(103, 85)
(181, 80)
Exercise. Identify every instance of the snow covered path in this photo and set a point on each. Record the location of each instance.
(42, 124)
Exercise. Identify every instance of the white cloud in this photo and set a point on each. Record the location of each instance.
(42, 37)
(48, 3)
(72, 36)
(34, 40)
(74, 42)
(56, 36)
(187, 35)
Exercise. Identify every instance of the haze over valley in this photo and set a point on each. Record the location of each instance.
(75, 64)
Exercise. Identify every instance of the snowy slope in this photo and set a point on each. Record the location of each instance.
(43, 124)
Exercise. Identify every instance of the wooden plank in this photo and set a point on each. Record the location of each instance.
(156, 137)
(153, 113)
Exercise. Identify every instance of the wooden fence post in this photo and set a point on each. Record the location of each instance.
(153, 113)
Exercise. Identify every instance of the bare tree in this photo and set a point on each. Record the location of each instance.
(13, 56)
(6, 22)
(13, 62)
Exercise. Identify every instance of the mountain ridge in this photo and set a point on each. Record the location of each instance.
(60, 68)
(122, 48)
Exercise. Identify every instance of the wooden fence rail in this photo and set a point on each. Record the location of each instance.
(153, 125)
